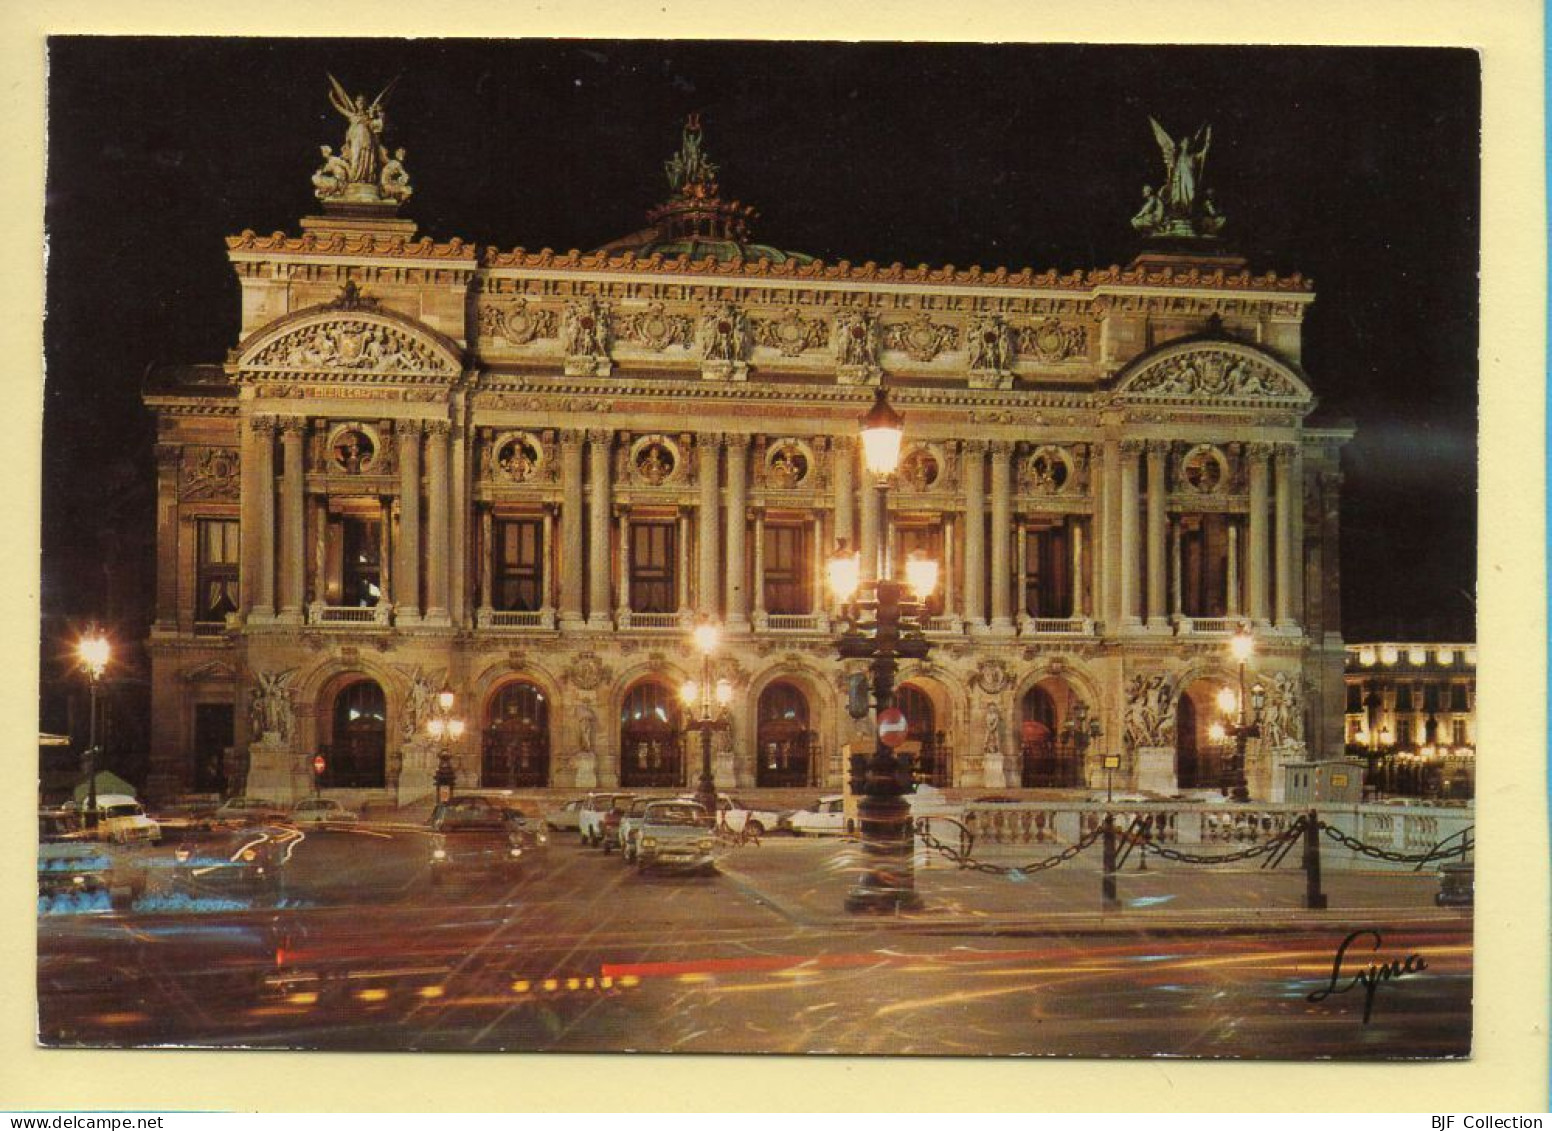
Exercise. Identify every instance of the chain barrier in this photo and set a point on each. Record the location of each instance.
(965, 862)
(1434, 853)
(1292, 833)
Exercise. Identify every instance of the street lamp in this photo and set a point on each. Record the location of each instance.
(1236, 724)
(887, 881)
(1079, 731)
(700, 699)
(445, 730)
(94, 652)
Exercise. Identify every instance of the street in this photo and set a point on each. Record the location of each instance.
(584, 954)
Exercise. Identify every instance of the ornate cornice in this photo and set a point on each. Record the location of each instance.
(870, 272)
(394, 247)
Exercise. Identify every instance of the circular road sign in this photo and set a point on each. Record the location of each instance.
(318, 763)
(891, 726)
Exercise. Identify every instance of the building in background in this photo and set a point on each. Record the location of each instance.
(1411, 713)
(526, 476)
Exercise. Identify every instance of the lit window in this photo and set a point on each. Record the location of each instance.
(1388, 654)
(1417, 657)
(1366, 657)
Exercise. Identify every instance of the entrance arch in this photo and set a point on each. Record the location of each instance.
(1200, 762)
(355, 749)
(1047, 757)
(784, 744)
(515, 745)
(651, 737)
(923, 739)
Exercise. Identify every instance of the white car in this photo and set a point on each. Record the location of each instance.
(568, 816)
(322, 811)
(827, 817)
(737, 817)
(122, 819)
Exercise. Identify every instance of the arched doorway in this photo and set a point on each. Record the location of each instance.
(923, 739)
(355, 752)
(1048, 759)
(1201, 762)
(515, 748)
(784, 744)
(651, 746)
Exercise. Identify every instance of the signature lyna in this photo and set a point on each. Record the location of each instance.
(1370, 977)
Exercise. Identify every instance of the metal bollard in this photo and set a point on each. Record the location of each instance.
(1314, 898)
(1108, 898)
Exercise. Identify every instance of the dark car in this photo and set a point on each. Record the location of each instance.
(472, 840)
(245, 866)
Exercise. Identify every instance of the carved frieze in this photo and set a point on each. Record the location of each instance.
(352, 345)
(790, 333)
(1050, 470)
(520, 457)
(519, 323)
(788, 464)
(921, 338)
(655, 328)
(1208, 372)
(856, 338)
(1052, 340)
(210, 473)
(724, 333)
(587, 672)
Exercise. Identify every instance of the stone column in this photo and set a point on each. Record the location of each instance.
(1131, 551)
(950, 571)
(390, 545)
(168, 457)
(1021, 572)
(1107, 496)
(816, 569)
(439, 553)
(293, 566)
(760, 617)
(709, 446)
(458, 519)
(1286, 494)
(623, 608)
(1176, 604)
(1079, 609)
(1158, 621)
(320, 594)
(1231, 598)
(682, 567)
(737, 560)
(975, 534)
(1301, 614)
(867, 536)
(571, 530)
(547, 567)
(487, 565)
(264, 476)
(843, 455)
(407, 596)
(1258, 565)
(1002, 532)
(598, 612)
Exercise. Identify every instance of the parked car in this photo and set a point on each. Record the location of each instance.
(79, 873)
(676, 834)
(530, 831)
(610, 824)
(120, 818)
(322, 811)
(471, 840)
(826, 817)
(590, 821)
(567, 816)
(249, 811)
(630, 822)
(737, 817)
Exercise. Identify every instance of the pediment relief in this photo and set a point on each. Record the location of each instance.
(214, 671)
(1210, 371)
(339, 344)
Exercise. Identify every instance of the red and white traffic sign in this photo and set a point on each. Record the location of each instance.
(892, 726)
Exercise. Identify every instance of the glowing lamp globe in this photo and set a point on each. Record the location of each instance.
(921, 573)
(882, 430)
(845, 571)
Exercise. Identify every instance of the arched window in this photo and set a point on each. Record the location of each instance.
(1200, 762)
(1037, 738)
(356, 755)
(651, 750)
(515, 748)
(784, 744)
(923, 739)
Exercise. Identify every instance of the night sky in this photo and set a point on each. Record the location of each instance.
(1358, 167)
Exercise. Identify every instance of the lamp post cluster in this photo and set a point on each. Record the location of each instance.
(707, 702)
(883, 625)
(445, 730)
(94, 652)
(1079, 732)
(1236, 723)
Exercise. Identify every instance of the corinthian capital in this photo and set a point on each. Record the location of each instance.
(262, 424)
(709, 441)
(1132, 447)
(438, 427)
(408, 429)
(599, 437)
(1284, 453)
(737, 440)
(293, 426)
(1159, 448)
(1260, 452)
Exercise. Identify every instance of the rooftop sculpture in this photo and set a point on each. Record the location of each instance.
(1180, 208)
(363, 172)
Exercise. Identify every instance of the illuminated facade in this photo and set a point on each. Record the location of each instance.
(1411, 710)
(526, 476)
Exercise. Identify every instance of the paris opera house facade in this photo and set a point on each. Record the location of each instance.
(526, 477)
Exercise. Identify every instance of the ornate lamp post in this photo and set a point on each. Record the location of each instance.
(1079, 732)
(445, 730)
(1236, 724)
(887, 881)
(707, 702)
(94, 652)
